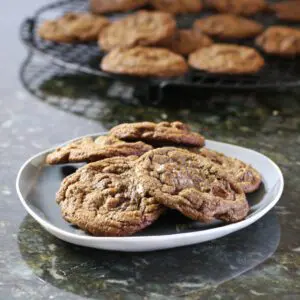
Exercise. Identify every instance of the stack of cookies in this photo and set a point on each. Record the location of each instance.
(148, 43)
(140, 170)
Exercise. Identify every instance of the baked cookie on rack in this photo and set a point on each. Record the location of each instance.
(227, 59)
(228, 26)
(73, 27)
(109, 6)
(140, 29)
(144, 61)
(280, 40)
(287, 10)
(238, 7)
(178, 6)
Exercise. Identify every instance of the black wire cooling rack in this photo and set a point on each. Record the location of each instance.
(85, 57)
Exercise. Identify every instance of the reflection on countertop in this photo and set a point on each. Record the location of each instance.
(177, 272)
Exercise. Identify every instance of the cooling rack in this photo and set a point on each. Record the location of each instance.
(86, 57)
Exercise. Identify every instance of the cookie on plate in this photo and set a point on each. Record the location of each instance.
(159, 134)
(105, 198)
(73, 27)
(88, 150)
(248, 178)
(238, 7)
(140, 29)
(144, 61)
(280, 40)
(191, 184)
(287, 10)
(226, 26)
(108, 6)
(178, 6)
(186, 41)
(227, 59)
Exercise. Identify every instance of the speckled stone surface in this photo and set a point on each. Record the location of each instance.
(260, 262)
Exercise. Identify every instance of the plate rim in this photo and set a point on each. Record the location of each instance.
(149, 238)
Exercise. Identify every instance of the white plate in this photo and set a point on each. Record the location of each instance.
(37, 184)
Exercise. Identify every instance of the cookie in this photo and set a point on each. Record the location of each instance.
(73, 27)
(88, 150)
(238, 7)
(140, 29)
(280, 40)
(225, 26)
(178, 6)
(159, 134)
(186, 41)
(144, 61)
(104, 6)
(191, 184)
(227, 59)
(248, 178)
(287, 10)
(105, 198)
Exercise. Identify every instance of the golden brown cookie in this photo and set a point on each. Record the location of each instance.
(108, 6)
(248, 178)
(238, 7)
(227, 58)
(88, 150)
(287, 10)
(178, 6)
(140, 29)
(280, 40)
(186, 41)
(143, 61)
(225, 26)
(73, 27)
(159, 134)
(105, 198)
(191, 184)
(120, 196)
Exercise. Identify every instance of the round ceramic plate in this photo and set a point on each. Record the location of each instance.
(37, 184)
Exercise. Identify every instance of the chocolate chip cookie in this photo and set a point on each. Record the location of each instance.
(280, 40)
(225, 26)
(140, 29)
(144, 61)
(227, 59)
(178, 6)
(88, 150)
(238, 7)
(248, 178)
(186, 41)
(159, 134)
(108, 6)
(191, 184)
(105, 198)
(73, 27)
(287, 10)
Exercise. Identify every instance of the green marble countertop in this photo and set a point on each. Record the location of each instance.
(259, 262)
